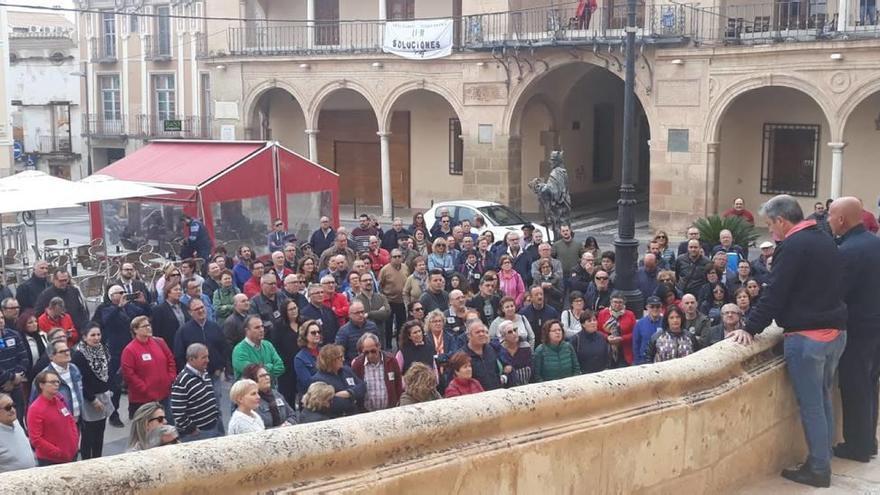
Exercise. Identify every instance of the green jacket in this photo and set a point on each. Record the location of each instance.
(245, 354)
(223, 303)
(552, 362)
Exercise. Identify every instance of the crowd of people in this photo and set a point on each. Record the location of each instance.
(350, 322)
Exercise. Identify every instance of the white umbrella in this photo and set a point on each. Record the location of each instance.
(101, 187)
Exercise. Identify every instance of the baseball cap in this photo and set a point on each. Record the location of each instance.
(767, 244)
(653, 301)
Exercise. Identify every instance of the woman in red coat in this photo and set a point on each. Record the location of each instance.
(51, 425)
(617, 324)
(462, 382)
(148, 368)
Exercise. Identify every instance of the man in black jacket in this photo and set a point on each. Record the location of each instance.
(484, 359)
(804, 295)
(28, 292)
(860, 363)
(73, 301)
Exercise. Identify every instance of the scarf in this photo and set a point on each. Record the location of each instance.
(269, 398)
(97, 359)
(422, 280)
(422, 353)
(612, 328)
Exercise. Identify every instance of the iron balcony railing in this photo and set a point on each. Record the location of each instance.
(54, 145)
(157, 49)
(533, 26)
(108, 126)
(153, 126)
(104, 50)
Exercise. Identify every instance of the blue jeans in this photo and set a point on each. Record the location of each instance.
(811, 366)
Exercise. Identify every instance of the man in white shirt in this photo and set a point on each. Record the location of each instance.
(15, 449)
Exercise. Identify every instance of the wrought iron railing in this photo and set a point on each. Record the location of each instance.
(153, 126)
(99, 125)
(157, 49)
(104, 50)
(54, 144)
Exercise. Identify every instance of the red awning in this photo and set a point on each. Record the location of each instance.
(180, 164)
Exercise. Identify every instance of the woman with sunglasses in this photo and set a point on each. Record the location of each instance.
(51, 424)
(666, 252)
(515, 355)
(418, 223)
(147, 418)
(172, 274)
(440, 259)
(305, 364)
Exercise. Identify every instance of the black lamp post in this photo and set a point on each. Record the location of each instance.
(626, 247)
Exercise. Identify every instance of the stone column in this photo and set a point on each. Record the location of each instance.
(384, 138)
(313, 144)
(383, 10)
(842, 15)
(310, 23)
(713, 156)
(836, 169)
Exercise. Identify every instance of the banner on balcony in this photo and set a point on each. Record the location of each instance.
(419, 40)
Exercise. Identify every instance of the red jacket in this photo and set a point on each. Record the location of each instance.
(627, 324)
(338, 303)
(463, 387)
(66, 322)
(744, 214)
(379, 259)
(251, 287)
(148, 369)
(393, 376)
(52, 429)
(870, 222)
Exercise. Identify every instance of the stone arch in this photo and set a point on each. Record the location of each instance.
(519, 96)
(313, 113)
(254, 95)
(852, 102)
(718, 109)
(384, 114)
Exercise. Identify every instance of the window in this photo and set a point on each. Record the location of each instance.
(790, 156)
(163, 85)
(111, 103)
(163, 31)
(133, 23)
(867, 12)
(401, 10)
(108, 26)
(603, 142)
(456, 147)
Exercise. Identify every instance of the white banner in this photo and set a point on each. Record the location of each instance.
(419, 40)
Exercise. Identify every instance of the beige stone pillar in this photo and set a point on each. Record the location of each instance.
(842, 15)
(713, 157)
(383, 10)
(310, 23)
(836, 169)
(384, 138)
(313, 144)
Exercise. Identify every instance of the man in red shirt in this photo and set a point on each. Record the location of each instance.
(617, 324)
(252, 286)
(739, 210)
(378, 257)
(148, 368)
(56, 317)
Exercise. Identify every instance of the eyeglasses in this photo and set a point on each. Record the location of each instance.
(372, 352)
(417, 309)
(314, 332)
(730, 313)
(12, 307)
(358, 312)
(661, 237)
(279, 224)
(8, 407)
(175, 274)
(160, 419)
(396, 256)
(601, 278)
(63, 351)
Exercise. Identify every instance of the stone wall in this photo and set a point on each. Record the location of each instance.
(701, 424)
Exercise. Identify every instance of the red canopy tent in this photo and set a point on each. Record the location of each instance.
(236, 187)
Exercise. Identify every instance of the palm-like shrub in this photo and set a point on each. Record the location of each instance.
(744, 233)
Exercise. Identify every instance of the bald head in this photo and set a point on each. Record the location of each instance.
(844, 214)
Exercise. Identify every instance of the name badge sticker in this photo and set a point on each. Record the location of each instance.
(146, 357)
(279, 402)
(450, 320)
(65, 412)
(10, 342)
(350, 381)
(276, 314)
(390, 376)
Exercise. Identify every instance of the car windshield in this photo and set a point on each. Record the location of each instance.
(501, 215)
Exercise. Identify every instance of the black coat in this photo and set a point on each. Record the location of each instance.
(485, 367)
(73, 304)
(28, 292)
(211, 335)
(592, 350)
(165, 324)
(805, 287)
(91, 384)
(860, 251)
(325, 317)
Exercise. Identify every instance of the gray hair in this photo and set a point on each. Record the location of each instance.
(368, 336)
(472, 325)
(269, 277)
(194, 350)
(56, 302)
(313, 287)
(731, 307)
(154, 438)
(53, 346)
(784, 207)
(504, 326)
(6, 302)
(328, 278)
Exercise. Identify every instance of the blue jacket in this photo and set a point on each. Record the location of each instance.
(321, 242)
(64, 389)
(860, 251)
(198, 237)
(647, 282)
(304, 366)
(349, 334)
(13, 355)
(344, 380)
(241, 274)
(537, 317)
(210, 335)
(325, 317)
(645, 329)
(805, 287)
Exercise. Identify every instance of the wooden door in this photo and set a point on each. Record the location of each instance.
(327, 22)
(401, 10)
(359, 167)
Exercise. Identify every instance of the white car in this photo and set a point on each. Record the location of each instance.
(499, 218)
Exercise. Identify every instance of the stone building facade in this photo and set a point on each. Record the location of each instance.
(735, 99)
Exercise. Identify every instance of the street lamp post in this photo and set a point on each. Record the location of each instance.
(626, 246)
(85, 75)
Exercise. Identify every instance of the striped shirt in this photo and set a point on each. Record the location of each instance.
(192, 401)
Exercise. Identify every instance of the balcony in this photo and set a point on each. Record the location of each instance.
(54, 145)
(101, 127)
(104, 50)
(153, 127)
(157, 49)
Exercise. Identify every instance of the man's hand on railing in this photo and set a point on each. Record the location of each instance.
(740, 337)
